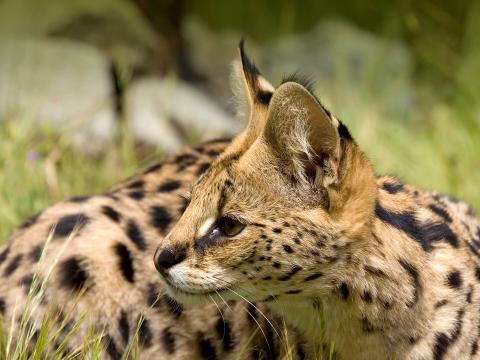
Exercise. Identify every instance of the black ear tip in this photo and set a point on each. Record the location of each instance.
(241, 48)
(241, 44)
(249, 67)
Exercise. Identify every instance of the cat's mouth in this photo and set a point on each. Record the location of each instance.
(192, 295)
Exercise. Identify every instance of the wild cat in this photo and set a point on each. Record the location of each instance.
(292, 216)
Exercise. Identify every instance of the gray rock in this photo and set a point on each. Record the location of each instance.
(169, 112)
(350, 66)
(59, 82)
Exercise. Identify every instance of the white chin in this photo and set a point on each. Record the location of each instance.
(190, 298)
(187, 298)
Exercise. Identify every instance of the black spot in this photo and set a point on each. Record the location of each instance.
(31, 221)
(3, 306)
(160, 218)
(440, 212)
(413, 272)
(344, 132)
(123, 326)
(293, 292)
(367, 297)
(413, 339)
(270, 349)
(79, 199)
(224, 333)
(367, 326)
(137, 194)
(441, 303)
(153, 168)
(288, 249)
(168, 340)
(458, 326)
(185, 201)
(175, 308)
(223, 140)
(73, 275)
(469, 294)
(313, 276)
(13, 265)
(277, 230)
(213, 153)
(393, 188)
(440, 231)
(424, 234)
(68, 223)
(125, 262)
(111, 213)
(6, 251)
(443, 341)
(36, 253)
(185, 160)
(202, 168)
(454, 279)
(251, 312)
(111, 348)
(138, 184)
(205, 348)
(294, 269)
(169, 186)
(276, 265)
(27, 281)
(145, 333)
(344, 291)
(135, 234)
(153, 299)
(405, 222)
(474, 349)
(374, 271)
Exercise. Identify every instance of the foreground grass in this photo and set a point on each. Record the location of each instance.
(37, 168)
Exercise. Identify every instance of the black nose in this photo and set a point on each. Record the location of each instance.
(167, 257)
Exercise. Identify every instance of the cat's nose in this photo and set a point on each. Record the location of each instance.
(165, 258)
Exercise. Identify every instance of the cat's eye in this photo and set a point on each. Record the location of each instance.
(230, 226)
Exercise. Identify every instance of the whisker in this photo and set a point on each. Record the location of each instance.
(221, 297)
(250, 303)
(220, 311)
(258, 324)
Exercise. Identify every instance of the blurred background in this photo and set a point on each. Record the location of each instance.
(93, 90)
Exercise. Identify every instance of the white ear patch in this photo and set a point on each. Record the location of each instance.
(264, 85)
(206, 226)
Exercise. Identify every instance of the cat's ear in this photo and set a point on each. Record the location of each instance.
(304, 136)
(252, 92)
